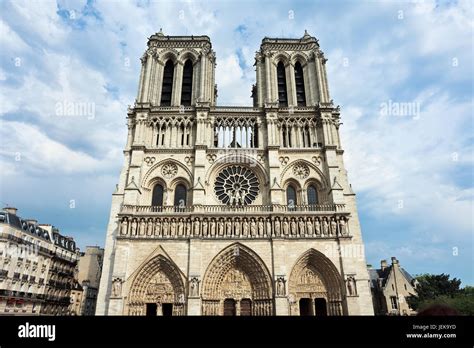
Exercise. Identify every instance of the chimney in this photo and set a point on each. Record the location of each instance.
(383, 265)
(32, 221)
(394, 260)
(10, 210)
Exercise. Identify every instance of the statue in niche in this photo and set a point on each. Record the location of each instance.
(351, 286)
(196, 227)
(194, 287)
(261, 227)
(333, 231)
(212, 227)
(221, 227)
(343, 227)
(173, 228)
(165, 228)
(293, 228)
(237, 227)
(142, 227)
(269, 230)
(301, 227)
(188, 227)
(158, 228)
(149, 230)
(117, 287)
(309, 226)
(180, 227)
(123, 227)
(204, 228)
(228, 228)
(325, 227)
(253, 227)
(277, 227)
(134, 227)
(245, 228)
(317, 227)
(286, 227)
(280, 286)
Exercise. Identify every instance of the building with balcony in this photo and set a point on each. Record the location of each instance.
(36, 267)
(233, 210)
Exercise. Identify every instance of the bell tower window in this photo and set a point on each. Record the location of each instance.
(299, 83)
(167, 87)
(281, 78)
(187, 85)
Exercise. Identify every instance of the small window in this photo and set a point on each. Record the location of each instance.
(393, 301)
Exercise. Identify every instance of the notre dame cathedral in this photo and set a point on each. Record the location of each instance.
(224, 210)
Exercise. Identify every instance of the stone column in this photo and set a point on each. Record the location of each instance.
(291, 85)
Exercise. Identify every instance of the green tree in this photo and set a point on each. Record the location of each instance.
(439, 289)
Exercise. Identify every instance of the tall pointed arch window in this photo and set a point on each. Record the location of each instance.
(299, 83)
(187, 85)
(167, 86)
(180, 195)
(312, 194)
(281, 80)
(291, 197)
(157, 196)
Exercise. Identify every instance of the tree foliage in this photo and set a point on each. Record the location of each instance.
(439, 289)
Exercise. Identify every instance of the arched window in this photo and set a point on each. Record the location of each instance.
(180, 196)
(187, 83)
(312, 195)
(167, 87)
(291, 196)
(299, 83)
(157, 197)
(281, 78)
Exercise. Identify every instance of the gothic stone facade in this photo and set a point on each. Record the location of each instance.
(233, 210)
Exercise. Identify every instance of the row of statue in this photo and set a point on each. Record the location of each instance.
(235, 227)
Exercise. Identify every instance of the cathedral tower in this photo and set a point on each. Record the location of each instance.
(233, 210)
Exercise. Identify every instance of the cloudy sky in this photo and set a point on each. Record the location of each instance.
(412, 170)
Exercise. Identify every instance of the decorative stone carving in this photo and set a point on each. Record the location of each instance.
(351, 286)
(149, 160)
(117, 287)
(169, 170)
(194, 287)
(301, 170)
(211, 158)
(280, 286)
(284, 160)
(189, 160)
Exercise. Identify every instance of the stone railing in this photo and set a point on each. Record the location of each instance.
(228, 209)
(140, 222)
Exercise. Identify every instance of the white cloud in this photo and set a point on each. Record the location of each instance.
(36, 153)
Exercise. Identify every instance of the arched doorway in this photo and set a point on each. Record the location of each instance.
(157, 289)
(315, 286)
(237, 282)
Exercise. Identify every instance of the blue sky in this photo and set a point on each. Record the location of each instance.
(413, 173)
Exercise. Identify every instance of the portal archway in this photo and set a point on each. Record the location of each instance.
(315, 286)
(237, 274)
(158, 286)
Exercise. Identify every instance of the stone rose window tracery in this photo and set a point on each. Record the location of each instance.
(169, 170)
(236, 185)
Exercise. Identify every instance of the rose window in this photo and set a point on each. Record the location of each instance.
(236, 185)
